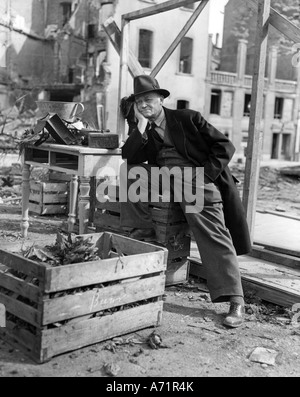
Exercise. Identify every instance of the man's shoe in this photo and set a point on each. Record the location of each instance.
(235, 316)
(143, 234)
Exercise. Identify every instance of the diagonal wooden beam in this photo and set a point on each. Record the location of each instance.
(279, 22)
(154, 10)
(178, 39)
(114, 34)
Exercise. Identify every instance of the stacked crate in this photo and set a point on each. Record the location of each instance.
(172, 232)
(49, 197)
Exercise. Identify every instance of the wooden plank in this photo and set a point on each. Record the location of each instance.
(102, 271)
(123, 75)
(178, 39)
(130, 246)
(275, 257)
(21, 310)
(154, 10)
(99, 299)
(276, 284)
(114, 34)
(48, 198)
(254, 147)
(23, 265)
(280, 250)
(21, 287)
(279, 22)
(95, 330)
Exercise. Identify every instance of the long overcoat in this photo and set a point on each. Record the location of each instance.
(201, 143)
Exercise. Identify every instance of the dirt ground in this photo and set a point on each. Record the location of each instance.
(195, 343)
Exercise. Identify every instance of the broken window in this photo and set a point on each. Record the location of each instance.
(181, 104)
(215, 104)
(186, 55)
(247, 105)
(145, 48)
(278, 109)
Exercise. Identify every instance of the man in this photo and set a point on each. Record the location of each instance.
(183, 138)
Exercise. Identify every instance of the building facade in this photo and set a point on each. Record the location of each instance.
(59, 49)
(228, 94)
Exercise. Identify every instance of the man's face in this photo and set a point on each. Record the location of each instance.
(149, 105)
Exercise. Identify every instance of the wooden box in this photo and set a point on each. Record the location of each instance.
(49, 198)
(172, 233)
(53, 310)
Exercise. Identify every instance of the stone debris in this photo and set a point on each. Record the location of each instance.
(264, 356)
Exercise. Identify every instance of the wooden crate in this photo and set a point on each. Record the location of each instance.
(172, 233)
(53, 310)
(49, 198)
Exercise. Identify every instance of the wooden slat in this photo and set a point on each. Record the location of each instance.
(20, 287)
(114, 34)
(281, 23)
(95, 330)
(59, 309)
(154, 10)
(130, 246)
(48, 198)
(23, 265)
(254, 146)
(21, 310)
(275, 257)
(274, 283)
(91, 273)
(178, 39)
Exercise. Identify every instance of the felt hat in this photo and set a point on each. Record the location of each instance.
(144, 83)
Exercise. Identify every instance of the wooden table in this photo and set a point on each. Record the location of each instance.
(81, 162)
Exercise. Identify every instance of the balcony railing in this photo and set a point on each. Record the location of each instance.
(223, 78)
(231, 79)
(286, 86)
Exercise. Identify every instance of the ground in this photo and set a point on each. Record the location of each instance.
(194, 341)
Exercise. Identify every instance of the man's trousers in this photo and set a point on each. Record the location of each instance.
(207, 225)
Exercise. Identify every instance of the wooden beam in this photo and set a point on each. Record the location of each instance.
(153, 10)
(114, 34)
(123, 77)
(255, 134)
(280, 23)
(178, 39)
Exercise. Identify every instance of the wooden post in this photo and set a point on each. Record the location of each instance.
(124, 70)
(255, 134)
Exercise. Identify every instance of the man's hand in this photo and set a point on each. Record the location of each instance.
(142, 121)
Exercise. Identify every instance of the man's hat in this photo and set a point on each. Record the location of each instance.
(144, 83)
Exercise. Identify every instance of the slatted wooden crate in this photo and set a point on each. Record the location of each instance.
(172, 232)
(53, 310)
(48, 198)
